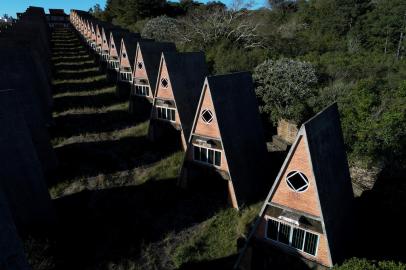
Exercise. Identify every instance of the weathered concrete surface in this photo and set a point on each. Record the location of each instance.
(21, 177)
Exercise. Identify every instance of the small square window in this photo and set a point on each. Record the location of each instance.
(164, 83)
(207, 116)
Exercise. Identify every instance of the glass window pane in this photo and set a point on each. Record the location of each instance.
(284, 233)
(311, 243)
(159, 112)
(147, 91)
(173, 115)
(217, 158)
(272, 229)
(204, 154)
(211, 156)
(298, 238)
(196, 152)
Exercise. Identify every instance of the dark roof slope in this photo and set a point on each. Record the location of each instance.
(57, 12)
(330, 168)
(151, 53)
(186, 73)
(21, 179)
(238, 117)
(21, 74)
(11, 249)
(118, 35)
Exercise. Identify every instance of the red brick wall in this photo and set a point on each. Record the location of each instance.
(141, 73)
(113, 51)
(165, 93)
(124, 61)
(306, 201)
(210, 130)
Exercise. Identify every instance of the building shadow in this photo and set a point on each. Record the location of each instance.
(380, 212)
(76, 66)
(225, 263)
(82, 86)
(96, 227)
(71, 59)
(78, 76)
(89, 159)
(77, 124)
(62, 104)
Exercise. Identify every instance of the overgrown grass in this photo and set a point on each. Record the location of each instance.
(133, 131)
(167, 168)
(212, 239)
(122, 106)
(105, 90)
(79, 81)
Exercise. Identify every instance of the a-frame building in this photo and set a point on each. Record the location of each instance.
(113, 64)
(146, 67)
(128, 49)
(226, 148)
(177, 94)
(307, 216)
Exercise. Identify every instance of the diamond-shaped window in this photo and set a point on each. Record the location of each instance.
(140, 65)
(297, 181)
(207, 116)
(164, 83)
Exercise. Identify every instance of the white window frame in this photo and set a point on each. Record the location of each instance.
(207, 149)
(127, 76)
(166, 113)
(301, 174)
(145, 89)
(140, 63)
(212, 116)
(161, 82)
(291, 235)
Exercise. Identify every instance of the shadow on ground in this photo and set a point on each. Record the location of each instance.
(91, 159)
(106, 225)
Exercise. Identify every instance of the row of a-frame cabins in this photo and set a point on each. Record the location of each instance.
(216, 120)
(27, 158)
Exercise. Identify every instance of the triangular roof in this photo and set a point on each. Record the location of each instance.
(130, 43)
(326, 153)
(118, 35)
(151, 55)
(237, 114)
(186, 74)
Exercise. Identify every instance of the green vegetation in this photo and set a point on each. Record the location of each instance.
(363, 264)
(356, 48)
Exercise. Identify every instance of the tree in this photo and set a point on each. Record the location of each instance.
(284, 87)
(163, 28)
(97, 11)
(209, 26)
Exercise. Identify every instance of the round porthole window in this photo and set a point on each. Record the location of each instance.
(140, 65)
(164, 83)
(297, 181)
(207, 116)
(112, 46)
(124, 55)
(104, 41)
